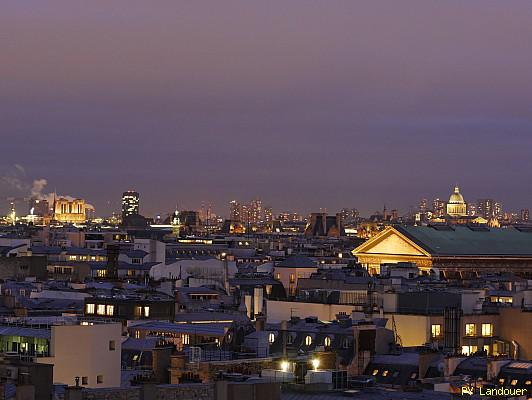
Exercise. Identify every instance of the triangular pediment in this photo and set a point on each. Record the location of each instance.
(391, 242)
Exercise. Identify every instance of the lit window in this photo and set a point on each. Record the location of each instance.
(501, 381)
(185, 338)
(271, 337)
(278, 276)
(385, 373)
(436, 330)
(137, 334)
(413, 375)
(110, 310)
(375, 372)
(468, 350)
(308, 340)
(486, 348)
(90, 308)
(528, 383)
(327, 341)
(513, 382)
(292, 278)
(101, 309)
(470, 329)
(487, 329)
(146, 312)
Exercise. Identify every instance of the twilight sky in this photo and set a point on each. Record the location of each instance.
(305, 104)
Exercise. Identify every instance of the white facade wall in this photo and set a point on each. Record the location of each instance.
(86, 352)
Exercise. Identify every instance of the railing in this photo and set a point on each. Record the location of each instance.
(28, 322)
(26, 355)
(220, 355)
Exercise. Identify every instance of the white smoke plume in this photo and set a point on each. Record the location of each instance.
(14, 184)
(14, 178)
(37, 188)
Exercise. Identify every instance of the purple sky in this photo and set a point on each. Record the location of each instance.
(305, 104)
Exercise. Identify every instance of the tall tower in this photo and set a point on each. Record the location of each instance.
(130, 203)
(13, 213)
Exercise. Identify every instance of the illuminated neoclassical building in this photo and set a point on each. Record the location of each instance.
(450, 251)
(456, 206)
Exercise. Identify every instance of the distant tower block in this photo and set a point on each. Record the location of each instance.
(130, 203)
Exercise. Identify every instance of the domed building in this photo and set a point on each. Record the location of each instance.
(456, 206)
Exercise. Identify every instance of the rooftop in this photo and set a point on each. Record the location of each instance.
(468, 241)
(297, 261)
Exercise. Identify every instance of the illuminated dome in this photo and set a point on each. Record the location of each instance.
(456, 197)
(456, 207)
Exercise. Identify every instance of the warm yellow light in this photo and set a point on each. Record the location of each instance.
(284, 366)
(315, 363)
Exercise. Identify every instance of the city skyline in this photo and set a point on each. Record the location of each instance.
(232, 200)
(225, 210)
(307, 105)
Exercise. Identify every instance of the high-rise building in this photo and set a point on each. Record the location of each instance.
(234, 211)
(130, 203)
(268, 215)
(349, 215)
(489, 208)
(498, 209)
(471, 209)
(525, 215)
(249, 214)
(287, 216)
(438, 207)
(423, 206)
(256, 213)
(244, 214)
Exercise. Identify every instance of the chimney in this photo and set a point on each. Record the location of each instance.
(113, 250)
(260, 322)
